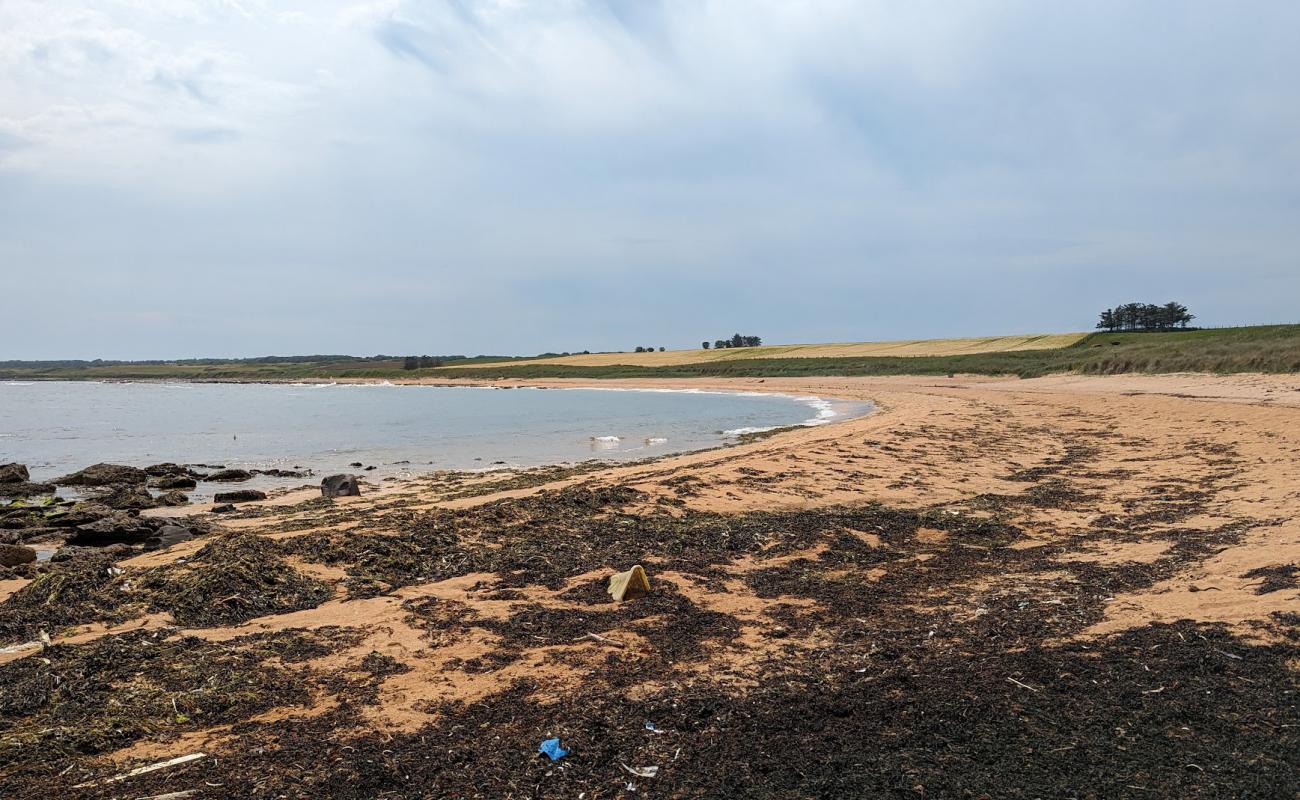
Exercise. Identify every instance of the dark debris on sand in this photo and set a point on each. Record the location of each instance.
(917, 653)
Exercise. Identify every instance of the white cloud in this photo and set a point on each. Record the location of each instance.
(878, 145)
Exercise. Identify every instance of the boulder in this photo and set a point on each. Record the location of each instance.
(173, 481)
(167, 536)
(14, 473)
(103, 475)
(173, 498)
(283, 473)
(126, 497)
(229, 475)
(120, 527)
(25, 489)
(11, 555)
(225, 509)
(80, 514)
(340, 486)
(239, 496)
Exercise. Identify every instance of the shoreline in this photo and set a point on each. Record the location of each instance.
(975, 556)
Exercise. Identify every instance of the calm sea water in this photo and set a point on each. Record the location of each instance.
(58, 427)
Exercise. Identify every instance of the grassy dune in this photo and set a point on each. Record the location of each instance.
(1271, 348)
(903, 348)
(1265, 348)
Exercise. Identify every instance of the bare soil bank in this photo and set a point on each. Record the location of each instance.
(1069, 586)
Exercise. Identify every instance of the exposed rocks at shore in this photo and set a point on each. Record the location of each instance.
(239, 496)
(340, 486)
(103, 475)
(13, 555)
(14, 473)
(173, 481)
(26, 489)
(229, 476)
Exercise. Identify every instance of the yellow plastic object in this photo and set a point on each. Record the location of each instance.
(630, 584)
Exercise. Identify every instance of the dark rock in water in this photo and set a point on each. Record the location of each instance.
(14, 473)
(126, 497)
(25, 489)
(372, 466)
(103, 475)
(229, 475)
(120, 527)
(283, 473)
(239, 496)
(226, 509)
(11, 555)
(355, 464)
(173, 498)
(167, 536)
(165, 468)
(173, 481)
(340, 486)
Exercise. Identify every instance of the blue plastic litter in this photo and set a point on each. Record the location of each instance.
(551, 747)
(650, 726)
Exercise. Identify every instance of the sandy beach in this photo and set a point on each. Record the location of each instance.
(1080, 586)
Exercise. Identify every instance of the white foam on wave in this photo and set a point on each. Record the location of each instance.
(613, 439)
(16, 383)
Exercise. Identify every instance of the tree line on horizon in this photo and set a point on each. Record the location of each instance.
(735, 341)
(1145, 317)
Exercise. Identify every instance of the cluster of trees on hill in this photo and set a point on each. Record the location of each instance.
(1145, 317)
(648, 349)
(735, 341)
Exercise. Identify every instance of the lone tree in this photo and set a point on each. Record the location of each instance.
(1145, 317)
(705, 345)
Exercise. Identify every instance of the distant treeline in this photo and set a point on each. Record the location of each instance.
(1145, 317)
(735, 341)
(101, 362)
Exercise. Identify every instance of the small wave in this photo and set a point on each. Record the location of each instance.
(18, 383)
(613, 439)
(656, 440)
(743, 431)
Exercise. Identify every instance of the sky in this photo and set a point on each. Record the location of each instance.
(185, 178)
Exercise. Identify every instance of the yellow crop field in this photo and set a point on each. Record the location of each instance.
(909, 347)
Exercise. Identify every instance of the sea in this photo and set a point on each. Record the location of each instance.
(57, 427)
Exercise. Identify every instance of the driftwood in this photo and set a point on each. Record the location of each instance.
(171, 762)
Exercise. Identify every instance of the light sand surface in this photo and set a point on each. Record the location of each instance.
(1207, 453)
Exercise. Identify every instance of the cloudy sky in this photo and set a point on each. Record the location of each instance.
(243, 177)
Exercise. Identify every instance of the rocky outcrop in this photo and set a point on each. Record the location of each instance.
(229, 475)
(173, 498)
(14, 473)
(80, 514)
(12, 555)
(126, 498)
(103, 475)
(340, 486)
(175, 480)
(25, 489)
(283, 473)
(239, 496)
(120, 527)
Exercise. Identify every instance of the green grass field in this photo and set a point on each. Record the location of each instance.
(1265, 348)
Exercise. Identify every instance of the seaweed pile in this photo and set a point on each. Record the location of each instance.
(882, 652)
(232, 578)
